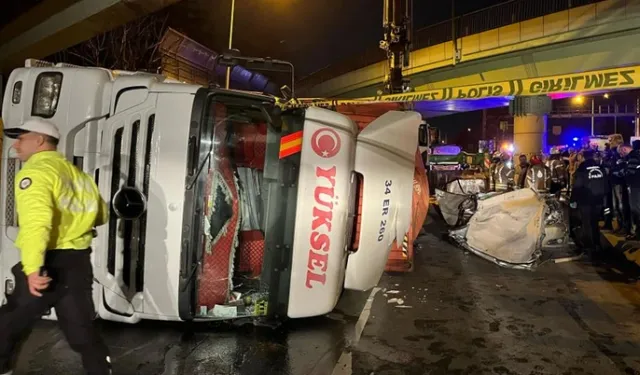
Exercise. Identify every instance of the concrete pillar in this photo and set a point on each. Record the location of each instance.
(530, 123)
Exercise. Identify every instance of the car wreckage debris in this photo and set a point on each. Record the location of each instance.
(511, 229)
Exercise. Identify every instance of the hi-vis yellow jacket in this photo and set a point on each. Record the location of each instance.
(58, 205)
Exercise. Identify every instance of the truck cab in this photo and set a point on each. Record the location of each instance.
(222, 204)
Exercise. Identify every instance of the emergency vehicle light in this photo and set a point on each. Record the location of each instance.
(508, 147)
(46, 95)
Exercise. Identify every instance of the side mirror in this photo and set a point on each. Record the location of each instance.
(286, 92)
(129, 203)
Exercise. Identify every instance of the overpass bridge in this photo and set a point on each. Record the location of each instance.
(550, 38)
(49, 26)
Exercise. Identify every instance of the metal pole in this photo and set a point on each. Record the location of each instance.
(484, 124)
(637, 124)
(615, 117)
(593, 118)
(293, 80)
(454, 43)
(233, 11)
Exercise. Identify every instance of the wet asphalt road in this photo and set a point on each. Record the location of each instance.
(461, 315)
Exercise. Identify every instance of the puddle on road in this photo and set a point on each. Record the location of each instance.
(296, 348)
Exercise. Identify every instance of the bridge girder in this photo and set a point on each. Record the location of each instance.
(54, 25)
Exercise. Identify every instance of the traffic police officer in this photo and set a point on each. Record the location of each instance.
(58, 206)
(587, 198)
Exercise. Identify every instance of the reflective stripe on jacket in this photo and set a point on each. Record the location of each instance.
(58, 205)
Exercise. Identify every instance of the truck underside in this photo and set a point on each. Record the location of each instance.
(401, 255)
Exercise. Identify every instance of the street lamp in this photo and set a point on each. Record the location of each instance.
(233, 11)
(578, 99)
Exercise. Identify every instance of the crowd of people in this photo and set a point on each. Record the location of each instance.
(600, 185)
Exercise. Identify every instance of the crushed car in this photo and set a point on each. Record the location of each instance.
(511, 229)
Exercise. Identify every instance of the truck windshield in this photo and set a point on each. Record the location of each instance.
(242, 200)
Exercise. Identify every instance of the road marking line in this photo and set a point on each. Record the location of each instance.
(364, 315)
(345, 362)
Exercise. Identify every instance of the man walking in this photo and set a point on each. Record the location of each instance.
(58, 206)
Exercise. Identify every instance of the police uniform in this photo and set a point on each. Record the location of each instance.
(632, 178)
(620, 193)
(607, 165)
(587, 199)
(58, 206)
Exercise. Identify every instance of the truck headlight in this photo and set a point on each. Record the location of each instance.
(17, 93)
(46, 95)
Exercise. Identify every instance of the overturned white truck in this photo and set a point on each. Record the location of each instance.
(223, 206)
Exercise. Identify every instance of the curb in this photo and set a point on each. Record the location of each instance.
(630, 249)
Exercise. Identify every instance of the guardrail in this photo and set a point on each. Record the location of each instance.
(597, 111)
(486, 19)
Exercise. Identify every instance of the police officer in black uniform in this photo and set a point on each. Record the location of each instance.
(607, 165)
(632, 178)
(620, 194)
(587, 199)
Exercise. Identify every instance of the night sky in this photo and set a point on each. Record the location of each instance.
(311, 34)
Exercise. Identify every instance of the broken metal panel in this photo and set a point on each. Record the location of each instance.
(456, 209)
(467, 186)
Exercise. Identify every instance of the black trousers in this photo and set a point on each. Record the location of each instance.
(609, 211)
(634, 203)
(590, 232)
(621, 207)
(70, 293)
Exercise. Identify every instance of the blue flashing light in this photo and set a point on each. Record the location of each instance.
(575, 139)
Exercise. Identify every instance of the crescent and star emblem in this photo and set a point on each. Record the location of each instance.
(325, 143)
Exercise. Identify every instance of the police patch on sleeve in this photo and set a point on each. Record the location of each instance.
(25, 183)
